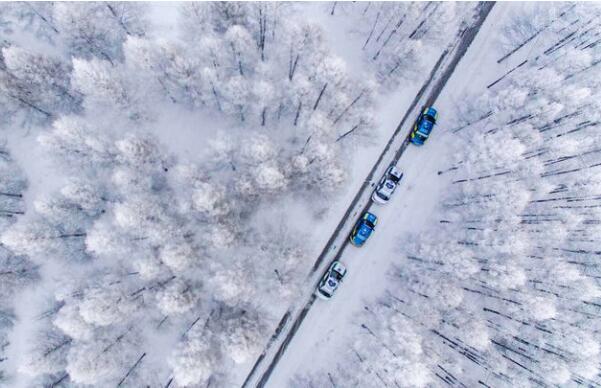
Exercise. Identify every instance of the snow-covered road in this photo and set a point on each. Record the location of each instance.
(318, 340)
(409, 209)
(415, 200)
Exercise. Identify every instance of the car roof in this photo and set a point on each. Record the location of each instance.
(425, 127)
(330, 284)
(385, 189)
(364, 230)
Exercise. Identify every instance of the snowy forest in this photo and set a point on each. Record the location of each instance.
(508, 293)
(130, 263)
(165, 172)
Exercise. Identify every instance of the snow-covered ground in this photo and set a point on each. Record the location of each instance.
(330, 326)
(133, 114)
(391, 107)
(353, 334)
(187, 163)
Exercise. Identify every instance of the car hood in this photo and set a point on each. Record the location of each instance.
(337, 267)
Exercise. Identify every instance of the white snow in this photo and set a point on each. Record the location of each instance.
(331, 326)
(195, 226)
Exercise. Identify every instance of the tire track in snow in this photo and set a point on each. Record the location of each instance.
(467, 36)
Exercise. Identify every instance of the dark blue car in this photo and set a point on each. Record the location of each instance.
(423, 126)
(363, 229)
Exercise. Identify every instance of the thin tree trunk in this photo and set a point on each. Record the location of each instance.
(262, 32)
(131, 369)
(347, 133)
(320, 95)
(298, 110)
(306, 144)
(11, 195)
(60, 380)
(119, 20)
(394, 30)
(44, 19)
(72, 235)
(373, 28)
(292, 66)
(31, 105)
(216, 97)
(57, 347)
(348, 107)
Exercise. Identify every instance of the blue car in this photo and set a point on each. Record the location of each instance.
(423, 126)
(363, 229)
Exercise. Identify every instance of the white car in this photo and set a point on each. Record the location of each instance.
(387, 185)
(331, 280)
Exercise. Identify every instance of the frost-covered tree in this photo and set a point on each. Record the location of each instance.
(266, 74)
(47, 356)
(397, 36)
(37, 86)
(160, 249)
(151, 240)
(59, 226)
(507, 294)
(97, 29)
(37, 18)
(16, 270)
(12, 186)
(192, 361)
(102, 360)
(237, 331)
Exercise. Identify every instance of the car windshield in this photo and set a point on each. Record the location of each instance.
(336, 275)
(383, 196)
(430, 118)
(368, 223)
(324, 293)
